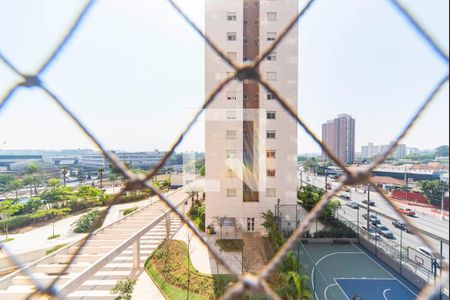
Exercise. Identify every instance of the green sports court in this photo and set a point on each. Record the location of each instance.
(345, 271)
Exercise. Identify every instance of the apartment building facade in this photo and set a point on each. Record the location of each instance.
(251, 142)
(339, 136)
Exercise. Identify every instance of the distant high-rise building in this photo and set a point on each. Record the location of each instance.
(251, 141)
(339, 136)
(372, 150)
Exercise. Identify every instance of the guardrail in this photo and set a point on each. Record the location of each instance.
(427, 233)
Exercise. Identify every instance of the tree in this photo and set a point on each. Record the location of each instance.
(64, 172)
(5, 180)
(53, 182)
(15, 185)
(298, 286)
(442, 151)
(100, 172)
(311, 165)
(434, 190)
(8, 208)
(54, 214)
(124, 289)
(58, 197)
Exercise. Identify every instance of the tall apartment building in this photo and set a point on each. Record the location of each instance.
(339, 136)
(251, 142)
(372, 150)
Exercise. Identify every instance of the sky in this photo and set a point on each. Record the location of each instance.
(134, 72)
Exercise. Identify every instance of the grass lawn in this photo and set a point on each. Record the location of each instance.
(54, 249)
(230, 245)
(168, 266)
(7, 240)
(52, 237)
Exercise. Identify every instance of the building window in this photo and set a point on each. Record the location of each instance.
(271, 192)
(271, 173)
(270, 96)
(231, 193)
(271, 154)
(271, 134)
(231, 16)
(231, 36)
(272, 76)
(271, 115)
(271, 36)
(272, 16)
(272, 56)
(231, 96)
(250, 224)
(231, 134)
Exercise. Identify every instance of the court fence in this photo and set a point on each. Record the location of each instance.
(244, 72)
(341, 230)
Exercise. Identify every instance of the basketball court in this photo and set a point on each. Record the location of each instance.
(344, 271)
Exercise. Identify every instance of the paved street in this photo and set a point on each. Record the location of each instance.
(425, 220)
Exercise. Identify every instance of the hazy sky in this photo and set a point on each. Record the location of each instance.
(134, 72)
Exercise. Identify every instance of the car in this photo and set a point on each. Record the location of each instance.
(345, 197)
(352, 204)
(373, 219)
(384, 231)
(428, 253)
(373, 232)
(372, 203)
(402, 226)
(407, 212)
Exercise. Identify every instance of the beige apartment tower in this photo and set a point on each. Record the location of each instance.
(251, 142)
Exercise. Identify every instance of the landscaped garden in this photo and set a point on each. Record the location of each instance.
(171, 269)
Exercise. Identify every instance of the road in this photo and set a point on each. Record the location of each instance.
(425, 220)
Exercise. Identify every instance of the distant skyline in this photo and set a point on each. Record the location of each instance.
(134, 73)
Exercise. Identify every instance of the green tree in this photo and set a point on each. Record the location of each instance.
(298, 287)
(5, 180)
(311, 165)
(15, 185)
(8, 208)
(434, 190)
(100, 172)
(54, 214)
(54, 182)
(58, 197)
(442, 151)
(124, 289)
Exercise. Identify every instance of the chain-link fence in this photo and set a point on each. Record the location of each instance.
(256, 284)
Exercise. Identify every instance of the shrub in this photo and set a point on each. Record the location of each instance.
(84, 223)
(197, 215)
(128, 211)
(124, 289)
(230, 245)
(17, 222)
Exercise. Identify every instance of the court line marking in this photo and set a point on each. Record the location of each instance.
(365, 278)
(385, 292)
(386, 271)
(322, 258)
(341, 289)
(326, 289)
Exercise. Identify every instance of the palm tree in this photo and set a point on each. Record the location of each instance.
(100, 173)
(64, 172)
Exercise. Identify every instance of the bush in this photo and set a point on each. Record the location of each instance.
(128, 211)
(131, 197)
(17, 222)
(197, 215)
(124, 289)
(84, 223)
(230, 245)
